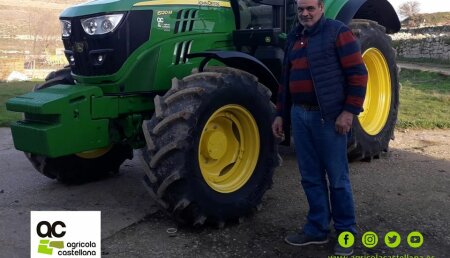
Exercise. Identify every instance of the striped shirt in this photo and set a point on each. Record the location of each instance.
(301, 85)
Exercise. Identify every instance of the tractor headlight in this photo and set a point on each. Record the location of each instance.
(101, 24)
(66, 28)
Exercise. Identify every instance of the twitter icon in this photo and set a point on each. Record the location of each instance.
(392, 239)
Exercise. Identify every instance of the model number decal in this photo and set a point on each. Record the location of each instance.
(163, 12)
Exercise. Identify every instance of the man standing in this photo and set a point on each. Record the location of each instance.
(324, 86)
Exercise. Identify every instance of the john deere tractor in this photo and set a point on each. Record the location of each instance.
(191, 85)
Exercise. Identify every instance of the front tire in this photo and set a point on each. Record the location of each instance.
(210, 152)
(82, 167)
(374, 127)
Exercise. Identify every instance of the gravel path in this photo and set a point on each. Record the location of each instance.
(424, 67)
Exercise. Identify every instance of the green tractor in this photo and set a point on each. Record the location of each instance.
(191, 85)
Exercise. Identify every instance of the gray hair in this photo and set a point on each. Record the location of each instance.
(320, 2)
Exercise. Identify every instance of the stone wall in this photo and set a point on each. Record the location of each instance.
(423, 43)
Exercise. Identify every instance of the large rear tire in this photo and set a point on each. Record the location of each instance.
(210, 152)
(81, 167)
(374, 127)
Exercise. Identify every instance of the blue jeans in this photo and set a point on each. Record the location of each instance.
(322, 151)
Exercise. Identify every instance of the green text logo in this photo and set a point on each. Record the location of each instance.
(392, 239)
(415, 239)
(346, 239)
(370, 239)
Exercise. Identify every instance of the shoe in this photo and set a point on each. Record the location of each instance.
(343, 251)
(300, 239)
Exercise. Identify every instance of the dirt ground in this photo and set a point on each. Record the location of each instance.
(406, 190)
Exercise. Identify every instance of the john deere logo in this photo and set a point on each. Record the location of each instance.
(46, 229)
(79, 47)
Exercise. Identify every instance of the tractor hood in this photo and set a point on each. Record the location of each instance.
(99, 6)
(104, 54)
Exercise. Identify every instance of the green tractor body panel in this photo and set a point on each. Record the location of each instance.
(66, 119)
(333, 7)
(119, 73)
(99, 6)
(163, 56)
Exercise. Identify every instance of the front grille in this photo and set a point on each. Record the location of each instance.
(185, 20)
(114, 47)
(182, 49)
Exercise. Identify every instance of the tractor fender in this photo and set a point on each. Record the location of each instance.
(380, 11)
(243, 62)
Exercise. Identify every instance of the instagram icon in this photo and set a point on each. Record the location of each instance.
(370, 239)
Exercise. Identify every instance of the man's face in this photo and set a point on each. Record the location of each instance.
(309, 12)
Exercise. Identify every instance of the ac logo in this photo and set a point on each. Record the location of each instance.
(65, 233)
(160, 21)
(45, 229)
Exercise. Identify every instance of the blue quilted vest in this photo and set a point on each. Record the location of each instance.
(326, 71)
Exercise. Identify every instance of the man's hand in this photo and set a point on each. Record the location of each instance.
(277, 127)
(343, 122)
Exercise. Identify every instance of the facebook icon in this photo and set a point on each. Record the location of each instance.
(346, 239)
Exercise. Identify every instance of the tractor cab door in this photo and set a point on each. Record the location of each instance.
(261, 29)
(266, 14)
(254, 15)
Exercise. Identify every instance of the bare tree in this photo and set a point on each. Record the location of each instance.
(409, 9)
(43, 33)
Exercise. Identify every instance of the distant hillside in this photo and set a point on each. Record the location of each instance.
(427, 20)
(31, 26)
(19, 16)
(40, 4)
(30, 34)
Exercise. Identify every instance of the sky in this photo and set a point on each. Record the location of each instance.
(426, 6)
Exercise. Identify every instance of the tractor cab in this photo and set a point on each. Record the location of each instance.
(262, 26)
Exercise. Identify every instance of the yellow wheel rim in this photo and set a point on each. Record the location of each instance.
(378, 96)
(229, 148)
(92, 154)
